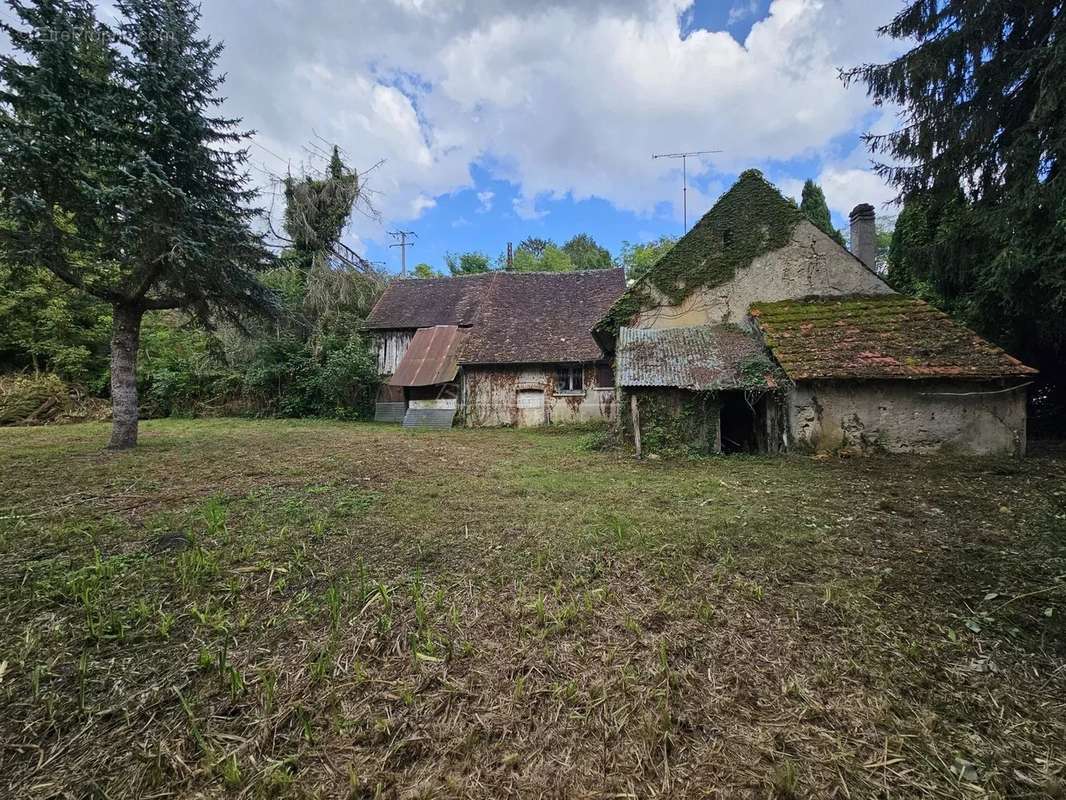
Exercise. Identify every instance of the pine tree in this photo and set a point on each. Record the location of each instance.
(982, 150)
(117, 175)
(814, 207)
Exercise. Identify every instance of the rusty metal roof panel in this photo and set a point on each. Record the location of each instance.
(700, 358)
(431, 357)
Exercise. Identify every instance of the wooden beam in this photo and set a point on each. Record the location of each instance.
(634, 412)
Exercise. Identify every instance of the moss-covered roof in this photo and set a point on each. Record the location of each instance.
(751, 219)
(884, 336)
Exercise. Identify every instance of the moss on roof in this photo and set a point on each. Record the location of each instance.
(883, 336)
(751, 219)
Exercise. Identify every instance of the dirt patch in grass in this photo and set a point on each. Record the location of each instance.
(275, 609)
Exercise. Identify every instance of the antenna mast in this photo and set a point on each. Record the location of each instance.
(403, 244)
(684, 174)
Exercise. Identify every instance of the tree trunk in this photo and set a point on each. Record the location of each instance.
(125, 337)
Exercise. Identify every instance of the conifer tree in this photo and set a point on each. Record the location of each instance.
(119, 177)
(814, 207)
(981, 151)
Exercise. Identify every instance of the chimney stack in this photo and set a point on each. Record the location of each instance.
(864, 234)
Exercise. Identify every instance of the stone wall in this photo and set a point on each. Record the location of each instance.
(810, 264)
(525, 396)
(908, 416)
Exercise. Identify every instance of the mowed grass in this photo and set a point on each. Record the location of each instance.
(319, 609)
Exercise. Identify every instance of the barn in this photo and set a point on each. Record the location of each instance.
(495, 348)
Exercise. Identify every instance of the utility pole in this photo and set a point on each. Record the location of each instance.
(684, 174)
(403, 244)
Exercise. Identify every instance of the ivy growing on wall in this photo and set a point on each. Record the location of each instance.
(676, 422)
(751, 219)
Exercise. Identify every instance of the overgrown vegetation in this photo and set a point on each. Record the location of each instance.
(751, 219)
(674, 422)
(301, 609)
(978, 162)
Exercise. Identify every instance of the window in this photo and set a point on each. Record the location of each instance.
(569, 379)
(604, 376)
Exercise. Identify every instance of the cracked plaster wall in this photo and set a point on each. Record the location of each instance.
(908, 416)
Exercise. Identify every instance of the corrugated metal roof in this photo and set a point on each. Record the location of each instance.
(701, 358)
(430, 358)
(885, 336)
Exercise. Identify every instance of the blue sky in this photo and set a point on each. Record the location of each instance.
(496, 120)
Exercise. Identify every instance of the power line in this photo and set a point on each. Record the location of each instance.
(403, 244)
(684, 174)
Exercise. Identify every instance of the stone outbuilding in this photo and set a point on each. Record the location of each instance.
(849, 363)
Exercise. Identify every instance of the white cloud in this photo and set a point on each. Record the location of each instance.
(845, 188)
(420, 204)
(526, 208)
(485, 198)
(741, 10)
(559, 97)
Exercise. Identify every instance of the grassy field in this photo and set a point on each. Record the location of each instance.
(315, 609)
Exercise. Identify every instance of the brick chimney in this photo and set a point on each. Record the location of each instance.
(864, 234)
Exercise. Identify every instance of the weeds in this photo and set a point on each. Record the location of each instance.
(340, 613)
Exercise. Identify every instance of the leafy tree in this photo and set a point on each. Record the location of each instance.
(535, 246)
(884, 245)
(467, 263)
(117, 175)
(637, 259)
(584, 253)
(814, 207)
(49, 326)
(424, 270)
(550, 259)
(555, 259)
(981, 151)
(524, 261)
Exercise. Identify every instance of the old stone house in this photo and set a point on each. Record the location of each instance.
(757, 331)
(497, 348)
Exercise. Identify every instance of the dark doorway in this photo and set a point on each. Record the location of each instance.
(737, 424)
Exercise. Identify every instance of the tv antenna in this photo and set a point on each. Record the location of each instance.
(403, 244)
(684, 174)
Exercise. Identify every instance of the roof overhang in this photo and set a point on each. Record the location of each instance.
(698, 358)
(431, 357)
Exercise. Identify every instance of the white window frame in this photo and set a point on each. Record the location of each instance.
(571, 370)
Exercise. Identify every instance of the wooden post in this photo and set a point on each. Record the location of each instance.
(634, 412)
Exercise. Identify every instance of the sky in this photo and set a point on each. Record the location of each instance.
(493, 120)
